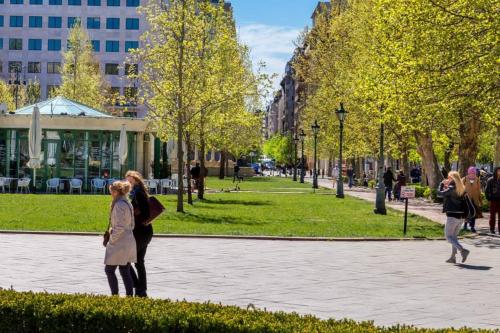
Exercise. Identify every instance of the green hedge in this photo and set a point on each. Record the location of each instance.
(54, 313)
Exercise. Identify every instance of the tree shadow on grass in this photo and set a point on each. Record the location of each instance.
(237, 202)
(230, 220)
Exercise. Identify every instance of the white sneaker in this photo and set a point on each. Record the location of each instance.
(452, 260)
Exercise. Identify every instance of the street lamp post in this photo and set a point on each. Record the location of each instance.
(341, 114)
(302, 159)
(295, 144)
(315, 128)
(380, 198)
(17, 82)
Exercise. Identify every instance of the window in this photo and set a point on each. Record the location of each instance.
(112, 23)
(34, 67)
(54, 45)
(72, 21)
(16, 2)
(1, 46)
(112, 46)
(55, 22)
(133, 3)
(36, 2)
(1, 64)
(96, 45)
(131, 69)
(15, 44)
(111, 69)
(53, 67)
(113, 3)
(55, 2)
(94, 2)
(132, 24)
(93, 23)
(131, 95)
(15, 66)
(131, 45)
(34, 44)
(16, 21)
(35, 21)
(74, 2)
(1, 20)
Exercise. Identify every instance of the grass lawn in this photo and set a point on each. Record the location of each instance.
(266, 206)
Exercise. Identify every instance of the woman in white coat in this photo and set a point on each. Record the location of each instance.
(121, 248)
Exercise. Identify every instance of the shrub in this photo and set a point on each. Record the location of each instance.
(372, 183)
(486, 204)
(58, 313)
(420, 191)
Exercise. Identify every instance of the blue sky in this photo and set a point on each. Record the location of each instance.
(269, 27)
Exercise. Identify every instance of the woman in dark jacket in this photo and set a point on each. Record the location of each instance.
(452, 190)
(400, 182)
(143, 231)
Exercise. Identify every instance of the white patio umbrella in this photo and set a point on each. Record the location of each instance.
(123, 146)
(35, 142)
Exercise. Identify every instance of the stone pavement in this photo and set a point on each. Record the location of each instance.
(388, 282)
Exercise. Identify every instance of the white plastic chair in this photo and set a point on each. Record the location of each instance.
(2, 184)
(23, 185)
(174, 184)
(165, 184)
(75, 184)
(152, 185)
(53, 184)
(98, 184)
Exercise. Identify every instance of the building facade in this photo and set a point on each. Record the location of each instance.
(33, 35)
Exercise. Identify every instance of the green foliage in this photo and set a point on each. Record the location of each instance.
(41, 312)
(422, 191)
(486, 203)
(6, 96)
(279, 147)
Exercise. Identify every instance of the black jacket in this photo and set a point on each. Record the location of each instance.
(140, 202)
(453, 205)
(492, 191)
(388, 178)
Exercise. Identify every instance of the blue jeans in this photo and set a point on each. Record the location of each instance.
(351, 182)
(126, 276)
(388, 192)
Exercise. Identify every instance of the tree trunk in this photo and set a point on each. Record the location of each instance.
(222, 164)
(201, 183)
(180, 167)
(188, 168)
(497, 148)
(447, 156)
(469, 142)
(406, 164)
(429, 161)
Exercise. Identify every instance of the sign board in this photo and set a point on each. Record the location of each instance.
(3, 108)
(408, 192)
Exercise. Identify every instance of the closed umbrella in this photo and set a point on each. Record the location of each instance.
(123, 146)
(35, 142)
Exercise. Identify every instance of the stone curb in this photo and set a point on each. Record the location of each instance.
(235, 237)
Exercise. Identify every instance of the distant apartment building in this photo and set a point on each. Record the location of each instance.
(33, 34)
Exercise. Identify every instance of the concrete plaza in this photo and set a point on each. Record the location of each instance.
(388, 282)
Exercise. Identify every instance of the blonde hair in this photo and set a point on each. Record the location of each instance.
(121, 187)
(459, 186)
(138, 179)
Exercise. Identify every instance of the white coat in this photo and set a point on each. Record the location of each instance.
(121, 248)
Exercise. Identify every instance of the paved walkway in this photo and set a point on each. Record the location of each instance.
(388, 282)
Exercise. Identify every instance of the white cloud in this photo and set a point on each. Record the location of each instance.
(270, 44)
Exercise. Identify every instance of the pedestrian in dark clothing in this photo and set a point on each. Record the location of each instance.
(452, 190)
(195, 174)
(236, 172)
(400, 181)
(388, 180)
(415, 175)
(143, 231)
(365, 180)
(492, 193)
(350, 176)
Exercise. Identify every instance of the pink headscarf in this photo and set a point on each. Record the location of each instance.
(471, 173)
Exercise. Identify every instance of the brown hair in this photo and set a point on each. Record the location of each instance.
(138, 179)
(121, 187)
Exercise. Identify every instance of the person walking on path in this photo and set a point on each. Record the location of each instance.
(400, 182)
(335, 176)
(143, 231)
(493, 196)
(388, 179)
(473, 189)
(350, 176)
(453, 190)
(121, 248)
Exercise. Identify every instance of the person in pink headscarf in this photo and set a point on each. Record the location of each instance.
(473, 189)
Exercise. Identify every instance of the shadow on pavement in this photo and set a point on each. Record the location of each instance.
(474, 267)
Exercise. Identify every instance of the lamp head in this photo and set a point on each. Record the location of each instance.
(341, 113)
(315, 127)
